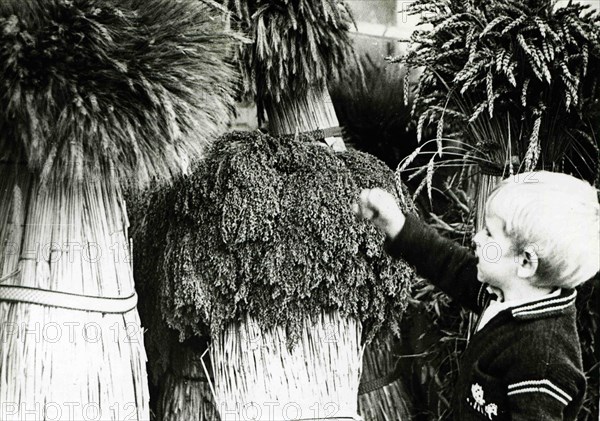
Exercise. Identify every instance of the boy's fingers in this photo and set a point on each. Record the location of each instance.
(362, 207)
(377, 195)
(364, 198)
(362, 211)
(368, 210)
(367, 214)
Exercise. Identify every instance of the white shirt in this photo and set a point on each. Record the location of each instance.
(496, 307)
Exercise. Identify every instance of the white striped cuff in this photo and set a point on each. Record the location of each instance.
(540, 386)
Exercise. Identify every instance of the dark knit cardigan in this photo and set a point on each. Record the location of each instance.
(525, 363)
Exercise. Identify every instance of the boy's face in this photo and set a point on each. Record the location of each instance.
(497, 263)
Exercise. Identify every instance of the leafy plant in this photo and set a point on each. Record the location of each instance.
(518, 80)
(263, 226)
(435, 328)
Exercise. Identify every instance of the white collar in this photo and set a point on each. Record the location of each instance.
(521, 307)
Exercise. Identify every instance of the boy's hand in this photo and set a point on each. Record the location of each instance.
(381, 208)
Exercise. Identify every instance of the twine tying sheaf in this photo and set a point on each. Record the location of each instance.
(372, 385)
(314, 135)
(58, 299)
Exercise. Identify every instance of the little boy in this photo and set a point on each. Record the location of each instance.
(541, 239)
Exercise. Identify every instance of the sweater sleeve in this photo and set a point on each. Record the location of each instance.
(443, 262)
(556, 396)
(547, 381)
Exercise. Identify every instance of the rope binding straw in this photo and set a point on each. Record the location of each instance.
(315, 135)
(22, 294)
(378, 383)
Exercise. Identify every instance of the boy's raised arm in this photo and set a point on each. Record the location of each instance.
(443, 262)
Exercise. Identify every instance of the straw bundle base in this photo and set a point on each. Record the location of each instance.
(57, 363)
(183, 399)
(258, 377)
(387, 400)
(185, 394)
(388, 403)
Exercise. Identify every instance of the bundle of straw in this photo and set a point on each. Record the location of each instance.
(182, 398)
(262, 243)
(58, 362)
(96, 95)
(310, 111)
(140, 85)
(297, 45)
(226, 251)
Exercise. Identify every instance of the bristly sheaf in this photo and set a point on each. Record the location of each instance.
(262, 226)
(136, 86)
(297, 44)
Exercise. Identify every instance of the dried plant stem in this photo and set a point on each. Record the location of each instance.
(257, 374)
(60, 363)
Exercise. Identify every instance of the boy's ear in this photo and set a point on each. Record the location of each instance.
(528, 263)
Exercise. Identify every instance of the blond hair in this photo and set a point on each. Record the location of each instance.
(559, 217)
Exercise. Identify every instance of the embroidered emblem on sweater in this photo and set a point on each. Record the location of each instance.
(478, 402)
(540, 386)
(491, 410)
(477, 392)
